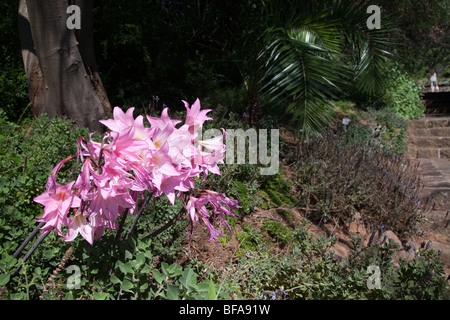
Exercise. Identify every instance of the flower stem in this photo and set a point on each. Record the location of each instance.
(28, 239)
(32, 249)
(144, 205)
(165, 227)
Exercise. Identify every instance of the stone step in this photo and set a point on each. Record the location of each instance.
(428, 153)
(413, 132)
(437, 220)
(429, 122)
(429, 142)
(439, 197)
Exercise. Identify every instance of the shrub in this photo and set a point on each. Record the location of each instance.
(402, 95)
(335, 179)
(308, 271)
(387, 130)
(27, 155)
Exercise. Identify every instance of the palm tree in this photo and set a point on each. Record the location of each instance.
(314, 54)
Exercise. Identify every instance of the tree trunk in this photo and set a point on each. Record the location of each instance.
(35, 81)
(72, 88)
(85, 37)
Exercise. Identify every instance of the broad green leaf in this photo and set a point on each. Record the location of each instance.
(140, 259)
(175, 270)
(49, 254)
(100, 295)
(159, 277)
(148, 254)
(128, 254)
(126, 285)
(125, 268)
(189, 278)
(143, 287)
(164, 267)
(172, 292)
(146, 269)
(69, 296)
(4, 279)
(114, 279)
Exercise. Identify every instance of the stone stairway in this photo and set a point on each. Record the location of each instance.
(429, 142)
(429, 138)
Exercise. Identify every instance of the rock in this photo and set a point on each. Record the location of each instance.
(400, 253)
(356, 227)
(341, 251)
(390, 235)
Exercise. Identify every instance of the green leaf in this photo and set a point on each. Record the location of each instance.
(128, 254)
(158, 276)
(164, 267)
(4, 279)
(212, 290)
(203, 290)
(143, 287)
(125, 268)
(148, 254)
(100, 295)
(172, 292)
(146, 269)
(189, 278)
(126, 285)
(114, 279)
(19, 296)
(140, 259)
(175, 270)
(69, 296)
(49, 254)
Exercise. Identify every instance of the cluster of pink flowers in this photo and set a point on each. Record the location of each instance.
(131, 158)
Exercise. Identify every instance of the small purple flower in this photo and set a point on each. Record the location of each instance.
(263, 296)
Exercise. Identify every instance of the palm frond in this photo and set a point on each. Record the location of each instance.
(301, 72)
(368, 48)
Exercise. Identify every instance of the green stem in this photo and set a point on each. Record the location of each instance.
(166, 226)
(32, 249)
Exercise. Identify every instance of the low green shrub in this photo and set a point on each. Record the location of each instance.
(276, 191)
(402, 95)
(277, 230)
(308, 271)
(384, 128)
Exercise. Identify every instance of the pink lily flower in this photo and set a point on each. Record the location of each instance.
(80, 225)
(196, 207)
(195, 118)
(131, 159)
(51, 181)
(56, 206)
(163, 121)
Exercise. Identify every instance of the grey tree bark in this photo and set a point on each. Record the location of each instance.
(70, 87)
(35, 81)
